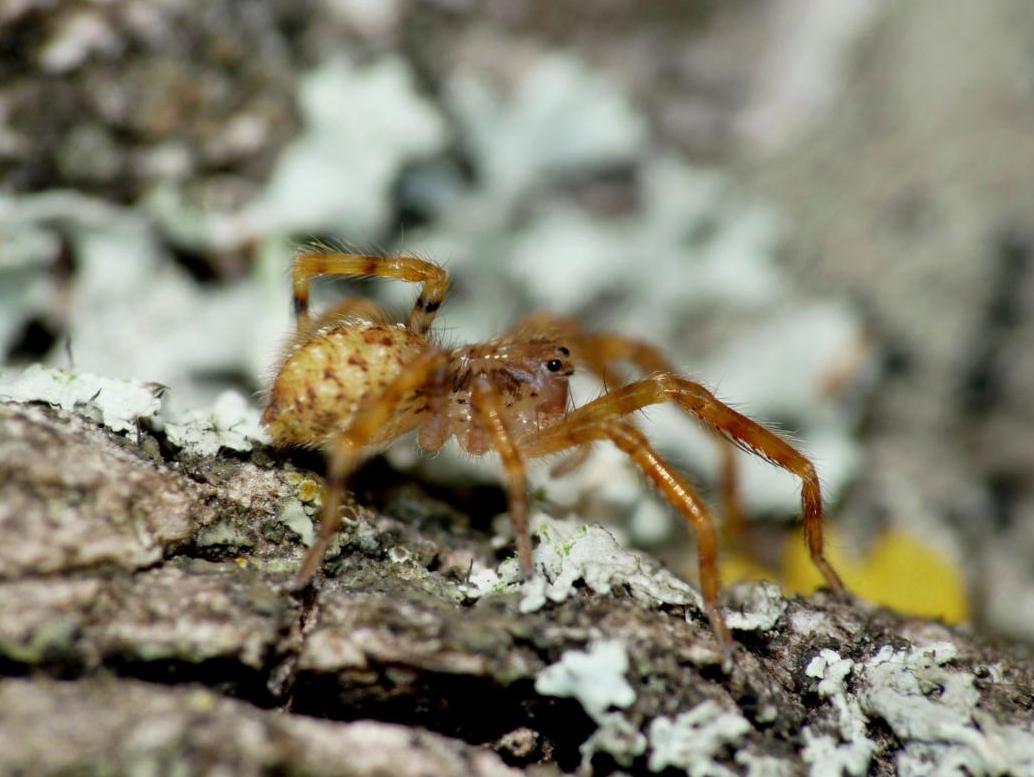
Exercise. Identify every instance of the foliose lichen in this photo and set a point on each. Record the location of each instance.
(117, 404)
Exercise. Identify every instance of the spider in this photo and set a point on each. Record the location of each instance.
(352, 380)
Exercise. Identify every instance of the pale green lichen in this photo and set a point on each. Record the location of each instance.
(764, 765)
(758, 607)
(119, 405)
(693, 739)
(827, 756)
(616, 736)
(562, 116)
(52, 638)
(231, 424)
(26, 252)
(482, 580)
(933, 711)
(850, 751)
(294, 516)
(570, 552)
(596, 678)
(831, 670)
(122, 405)
(338, 172)
(223, 534)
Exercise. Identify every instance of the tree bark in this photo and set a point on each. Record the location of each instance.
(147, 621)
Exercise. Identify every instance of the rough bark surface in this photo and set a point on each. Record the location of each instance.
(146, 622)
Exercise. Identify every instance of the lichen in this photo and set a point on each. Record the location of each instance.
(616, 736)
(26, 253)
(587, 119)
(692, 739)
(294, 516)
(224, 535)
(934, 712)
(569, 552)
(831, 670)
(830, 757)
(850, 750)
(596, 678)
(231, 423)
(122, 405)
(764, 765)
(338, 172)
(119, 405)
(758, 607)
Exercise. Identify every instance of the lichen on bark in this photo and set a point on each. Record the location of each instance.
(147, 619)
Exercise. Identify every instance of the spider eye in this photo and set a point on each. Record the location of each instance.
(554, 365)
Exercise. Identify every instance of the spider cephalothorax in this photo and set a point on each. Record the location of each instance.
(529, 377)
(351, 381)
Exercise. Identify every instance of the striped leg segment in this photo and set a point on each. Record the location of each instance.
(723, 420)
(433, 279)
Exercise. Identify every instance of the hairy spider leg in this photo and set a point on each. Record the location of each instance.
(434, 278)
(599, 351)
(602, 349)
(576, 431)
(742, 431)
(490, 412)
(427, 371)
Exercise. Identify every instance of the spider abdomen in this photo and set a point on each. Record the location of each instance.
(323, 380)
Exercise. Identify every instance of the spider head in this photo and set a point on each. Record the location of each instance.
(536, 373)
(549, 361)
(538, 364)
(531, 375)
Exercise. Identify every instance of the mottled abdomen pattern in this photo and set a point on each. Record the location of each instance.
(323, 380)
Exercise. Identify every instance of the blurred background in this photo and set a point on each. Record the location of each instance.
(822, 211)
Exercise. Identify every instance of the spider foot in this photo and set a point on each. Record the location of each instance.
(721, 631)
(833, 581)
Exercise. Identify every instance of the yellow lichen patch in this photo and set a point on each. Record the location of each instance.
(309, 490)
(900, 572)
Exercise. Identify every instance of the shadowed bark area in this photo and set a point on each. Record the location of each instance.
(146, 620)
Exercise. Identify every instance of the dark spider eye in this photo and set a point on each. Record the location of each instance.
(553, 365)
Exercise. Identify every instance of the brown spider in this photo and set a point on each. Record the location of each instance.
(352, 380)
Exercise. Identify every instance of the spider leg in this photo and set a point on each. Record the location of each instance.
(346, 451)
(312, 264)
(737, 428)
(490, 413)
(598, 352)
(580, 431)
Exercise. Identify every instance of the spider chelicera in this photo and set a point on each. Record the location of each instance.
(352, 380)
